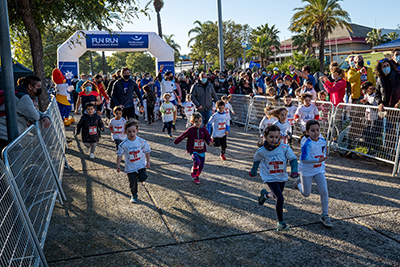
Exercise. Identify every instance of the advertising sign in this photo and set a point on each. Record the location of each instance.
(139, 41)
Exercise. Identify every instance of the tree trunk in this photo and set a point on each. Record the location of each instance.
(35, 40)
(321, 51)
(159, 25)
(262, 61)
(103, 55)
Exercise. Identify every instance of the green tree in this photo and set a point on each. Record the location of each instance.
(375, 37)
(117, 60)
(321, 18)
(303, 40)
(158, 5)
(141, 62)
(176, 47)
(262, 39)
(32, 17)
(391, 36)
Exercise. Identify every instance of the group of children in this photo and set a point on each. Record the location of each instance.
(271, 157)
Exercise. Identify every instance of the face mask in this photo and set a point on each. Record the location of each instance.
(269, 73)
(333, 77)
(90, 79)
(352, 64)
(398, 59)
(173, 80)
(256, 78)
(292, 73)
(84, 80)
(88, 88)
(279, 85)
(222, 80)
(204, 80)
(386, 70)
(275, 72)
(360, 63)
(147, 78)
(126, 77)
(38, 91)
(264, 73)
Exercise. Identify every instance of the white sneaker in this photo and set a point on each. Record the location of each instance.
(92, 155)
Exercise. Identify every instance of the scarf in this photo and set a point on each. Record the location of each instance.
(271, 147)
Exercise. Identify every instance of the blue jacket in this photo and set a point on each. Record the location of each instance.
(120, 97)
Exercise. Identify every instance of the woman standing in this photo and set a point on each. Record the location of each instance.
(337, 88)
(88, 94)
(388, 84)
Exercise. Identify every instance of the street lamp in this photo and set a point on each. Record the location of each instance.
(244, 45)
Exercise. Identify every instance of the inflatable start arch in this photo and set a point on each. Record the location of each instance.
(81, 41)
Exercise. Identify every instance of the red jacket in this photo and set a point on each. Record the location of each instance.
(336, 90)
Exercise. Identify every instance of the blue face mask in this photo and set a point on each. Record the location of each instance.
(203, 80)
(147, 78)
(264, 73)
(398, 59)
(88, 88)
(222, 80)
(256, 78)
(352, 64)
(90, 79)
(279, 85)
(386, 70)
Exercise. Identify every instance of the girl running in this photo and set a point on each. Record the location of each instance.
(283, 124)
(272, 158)
(312, 167)
(306, 112)
(267, 120)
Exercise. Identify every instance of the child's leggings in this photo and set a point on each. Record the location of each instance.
(198, 163)
(320, 180)
(277, 189)
(188, 122)
(91, 145)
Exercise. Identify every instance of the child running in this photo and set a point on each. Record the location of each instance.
(137, 157)
(283, 124)
(267, 120)
(272, 158)
(228, 106)
(220, 124)
(306, 112)
(90, 124)
(189, 109)
(197, 136)
(312, 168)
(117, 127)
(167, 110)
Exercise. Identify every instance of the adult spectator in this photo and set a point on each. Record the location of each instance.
(388, 84)
(276, 74)
(395, 54)
(146, 81)
(282, 89)
(221, 85)
(74, 93)
(337, 88)
(185, 89)
(80, 83)
(357, 75)
(305, 73)
(98, 81)
(88, 94)
(123, 94)
(259, 85)
(245, 84)
(25, 106)
(109, 93)
(167, 85)
(203, 95)
(106, 81)
(264, 74)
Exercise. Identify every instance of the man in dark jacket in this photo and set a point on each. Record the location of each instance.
(203, 95)
(123, 93)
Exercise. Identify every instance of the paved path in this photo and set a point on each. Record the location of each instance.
(218, 223)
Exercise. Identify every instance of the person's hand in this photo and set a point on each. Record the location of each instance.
(141, 109)
(211, 143)
(148, 164)
(46, 122)
(322, 159)
(381, 107)
(397, 104)
(363, 100)
(121, 106)
(76, 112)
(233, 113)
(161, 68)
(102, 129)
(118, 168)
(200, 107)
(226, 132)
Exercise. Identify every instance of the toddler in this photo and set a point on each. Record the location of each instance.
(267, 120)
(306, 112)
(189, 109)
(220, 124)
(167, 110)
(117, 126)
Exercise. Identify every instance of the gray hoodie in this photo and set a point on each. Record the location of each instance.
(203, 95)
(26, 112)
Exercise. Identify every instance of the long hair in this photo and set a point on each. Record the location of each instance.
(379, 69)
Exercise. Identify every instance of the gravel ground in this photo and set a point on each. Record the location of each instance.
(219, 222)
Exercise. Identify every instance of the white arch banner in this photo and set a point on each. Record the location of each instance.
(81, 41)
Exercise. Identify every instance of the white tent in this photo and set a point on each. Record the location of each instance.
(81, 41)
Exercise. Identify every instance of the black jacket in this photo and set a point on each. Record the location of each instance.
(388, 89)
(150, 98)
(86, 123)
(121, 97)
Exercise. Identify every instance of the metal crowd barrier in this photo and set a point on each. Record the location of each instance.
(256, 110)
(19, 244)
(240, 105)
(57, 122)
(364, 130)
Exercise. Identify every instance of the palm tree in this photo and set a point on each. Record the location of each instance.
(321, 17)
(202, 41)
(303, 41)
(262, 40)
(158, 4)
(392, 36)
(375, 37)
(168, 39)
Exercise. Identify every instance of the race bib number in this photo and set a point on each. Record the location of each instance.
(291, 121)
(275, 167)
(364, 78)
(198, 144)
(227, 110)
(190, 108)
(92, 130)
(320, 163)
(284, 139)
(118, 129)
(134, 156)
(221, 126)
(168, 111)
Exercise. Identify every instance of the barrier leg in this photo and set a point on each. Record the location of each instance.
(396, 161)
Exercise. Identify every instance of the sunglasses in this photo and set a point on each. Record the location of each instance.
(383, 60)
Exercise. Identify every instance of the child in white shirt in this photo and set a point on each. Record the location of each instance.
(268, 119)
(117, 127)
(228, 106)
(137, 157)
(220, 124)
(167, 110)
(306, 112)
(283, 124)
(189, 110)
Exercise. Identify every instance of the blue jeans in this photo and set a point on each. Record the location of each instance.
(206, 116)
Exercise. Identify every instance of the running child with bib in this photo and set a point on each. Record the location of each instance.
(220, 124)
(306, 112)
(283, 124)
(272, 158)
(117, 127)
(312, 167)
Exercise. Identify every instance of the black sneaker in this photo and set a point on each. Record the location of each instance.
(263, 197)
(326, 221)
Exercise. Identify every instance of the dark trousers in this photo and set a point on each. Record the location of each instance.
(128, 113)
(221, 142)
(168, 126)
(150, 114)
(198, 163)
(277, 190)
(117, 142)
(134, 177)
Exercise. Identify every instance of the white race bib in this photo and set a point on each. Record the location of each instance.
(134, 156)
(275, 167)
(92, 130)
(198, 144)
(221, 126)
(118, 129)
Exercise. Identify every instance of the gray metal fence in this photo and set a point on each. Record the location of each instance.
(240, 104)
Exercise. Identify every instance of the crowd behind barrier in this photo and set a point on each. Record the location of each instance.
(350, 129)
(30, 183)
